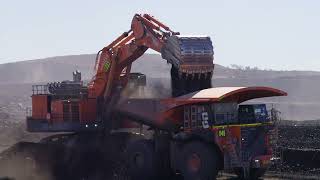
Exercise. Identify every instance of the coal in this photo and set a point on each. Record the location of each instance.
(306, 159)
(299, 147)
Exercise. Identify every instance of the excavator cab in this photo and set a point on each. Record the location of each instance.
(63, 107)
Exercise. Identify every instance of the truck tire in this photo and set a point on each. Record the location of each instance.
(255, 173)
(141, 160)
(199, 161)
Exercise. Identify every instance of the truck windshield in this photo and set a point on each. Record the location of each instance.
(255, 113)
(232, 113)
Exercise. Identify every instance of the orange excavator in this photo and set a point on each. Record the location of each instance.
(192, 135)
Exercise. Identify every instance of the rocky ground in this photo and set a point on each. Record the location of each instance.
(299, 148)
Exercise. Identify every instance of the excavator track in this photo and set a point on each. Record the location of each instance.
(192, 62)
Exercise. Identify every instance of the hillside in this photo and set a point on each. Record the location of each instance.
(303, 101)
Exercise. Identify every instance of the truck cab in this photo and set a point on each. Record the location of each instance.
(240, 132)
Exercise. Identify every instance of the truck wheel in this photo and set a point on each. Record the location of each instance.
(141, 160)
(199, 161)
(255, 173)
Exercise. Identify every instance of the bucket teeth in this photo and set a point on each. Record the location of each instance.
(194, 76)
(183, 83)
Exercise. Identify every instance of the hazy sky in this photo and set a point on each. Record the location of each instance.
(272, 34)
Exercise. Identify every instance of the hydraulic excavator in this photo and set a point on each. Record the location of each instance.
(191, 135)
(192, 67)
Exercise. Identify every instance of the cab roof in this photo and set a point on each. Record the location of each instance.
(230, 94)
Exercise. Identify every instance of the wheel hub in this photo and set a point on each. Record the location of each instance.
(194, 162)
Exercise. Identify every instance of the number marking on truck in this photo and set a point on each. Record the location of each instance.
(222, 133)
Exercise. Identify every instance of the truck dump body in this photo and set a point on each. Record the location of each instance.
(230, 94)
(161, 109)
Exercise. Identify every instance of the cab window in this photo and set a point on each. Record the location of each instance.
(224, 113)
(255, 113)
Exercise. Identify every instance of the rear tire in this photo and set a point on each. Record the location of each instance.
(141, 160)
(199, 162)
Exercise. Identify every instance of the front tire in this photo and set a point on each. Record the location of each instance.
(199, 162)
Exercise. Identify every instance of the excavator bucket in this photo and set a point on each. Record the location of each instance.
(192, 55)
(192, 63)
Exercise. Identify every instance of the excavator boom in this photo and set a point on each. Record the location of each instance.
(190, 56)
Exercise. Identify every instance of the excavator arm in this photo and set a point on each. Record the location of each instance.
(113, 63)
